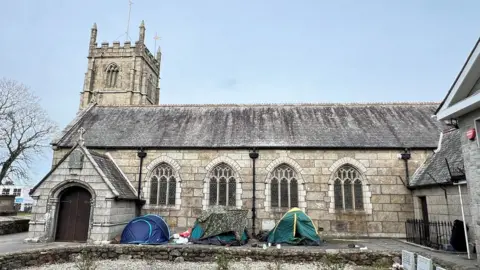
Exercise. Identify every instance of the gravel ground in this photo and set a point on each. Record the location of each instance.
(160, 265)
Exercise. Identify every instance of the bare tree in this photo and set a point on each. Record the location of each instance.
(25, 130)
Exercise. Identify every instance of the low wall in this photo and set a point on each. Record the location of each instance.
(8, 226)
(191, 253)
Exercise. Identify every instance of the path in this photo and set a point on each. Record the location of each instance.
(14, 242)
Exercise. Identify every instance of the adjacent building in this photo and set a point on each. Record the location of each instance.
(23, 201)
(461, 108)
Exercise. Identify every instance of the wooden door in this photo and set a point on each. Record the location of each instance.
(73, 215)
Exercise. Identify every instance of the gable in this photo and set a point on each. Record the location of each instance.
(92, 168)
(462, 98)
(68, 169)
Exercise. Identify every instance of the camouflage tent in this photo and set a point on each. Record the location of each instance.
(220, 226)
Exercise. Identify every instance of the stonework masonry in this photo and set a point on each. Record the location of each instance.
(107, 218)
(391, 202)
(444, 205)
(471, 156)
(137, 80)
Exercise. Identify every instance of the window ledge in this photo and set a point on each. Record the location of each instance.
(281, 209)
(160, 207)
(350, 212)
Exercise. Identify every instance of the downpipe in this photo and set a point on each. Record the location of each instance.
(253, 155)
(141, 154)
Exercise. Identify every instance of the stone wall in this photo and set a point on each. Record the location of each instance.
(10, 225)
(193, 254)
(388, 202)
(441, 206)
(137, 81)
(108, 217)
(471, 156)
(444, 207)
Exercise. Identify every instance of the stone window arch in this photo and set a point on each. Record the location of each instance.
(163, 184)
(285, 187)
(349, 190)
(112, 71)
(222, 185)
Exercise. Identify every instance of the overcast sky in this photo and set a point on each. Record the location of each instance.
(246, 51)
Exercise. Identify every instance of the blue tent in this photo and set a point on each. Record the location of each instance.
(148, 229)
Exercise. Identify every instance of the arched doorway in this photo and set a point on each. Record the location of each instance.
(73, 215)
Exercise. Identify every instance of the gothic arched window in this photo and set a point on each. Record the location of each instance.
(348, 189)
(163, 185)
(284, 187)
(112, 75)
(223, 186)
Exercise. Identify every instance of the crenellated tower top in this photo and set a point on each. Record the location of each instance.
(118, 74)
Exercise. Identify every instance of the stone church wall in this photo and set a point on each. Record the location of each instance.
(107, 218)
(388, 203)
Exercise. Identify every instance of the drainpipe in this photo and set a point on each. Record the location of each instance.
(141, 154)
(406, 156)
(253, 155)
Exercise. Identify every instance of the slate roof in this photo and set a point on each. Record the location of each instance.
(107, 166)
(450, 148)
(113, 174)
(383, 125)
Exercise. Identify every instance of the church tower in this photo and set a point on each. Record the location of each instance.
(121, 75)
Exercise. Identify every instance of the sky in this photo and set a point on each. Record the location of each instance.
(245, 51)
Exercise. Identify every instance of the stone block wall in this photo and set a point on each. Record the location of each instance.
(389, 202)
(193, 253)
(471, 156)
(107, 216)
(443, 207)
(10, 225)
(137, 81)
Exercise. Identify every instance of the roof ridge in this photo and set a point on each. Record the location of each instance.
(283, 104)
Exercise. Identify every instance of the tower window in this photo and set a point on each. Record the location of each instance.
(112, 75)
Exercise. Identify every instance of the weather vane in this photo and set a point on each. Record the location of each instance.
(128, 21)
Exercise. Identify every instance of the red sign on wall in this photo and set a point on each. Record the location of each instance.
(471, 134)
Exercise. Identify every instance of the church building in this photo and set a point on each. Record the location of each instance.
(348, 166)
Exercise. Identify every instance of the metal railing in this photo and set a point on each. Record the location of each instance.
(434, 234)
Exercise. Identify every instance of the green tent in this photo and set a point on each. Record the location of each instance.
(294, 228)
